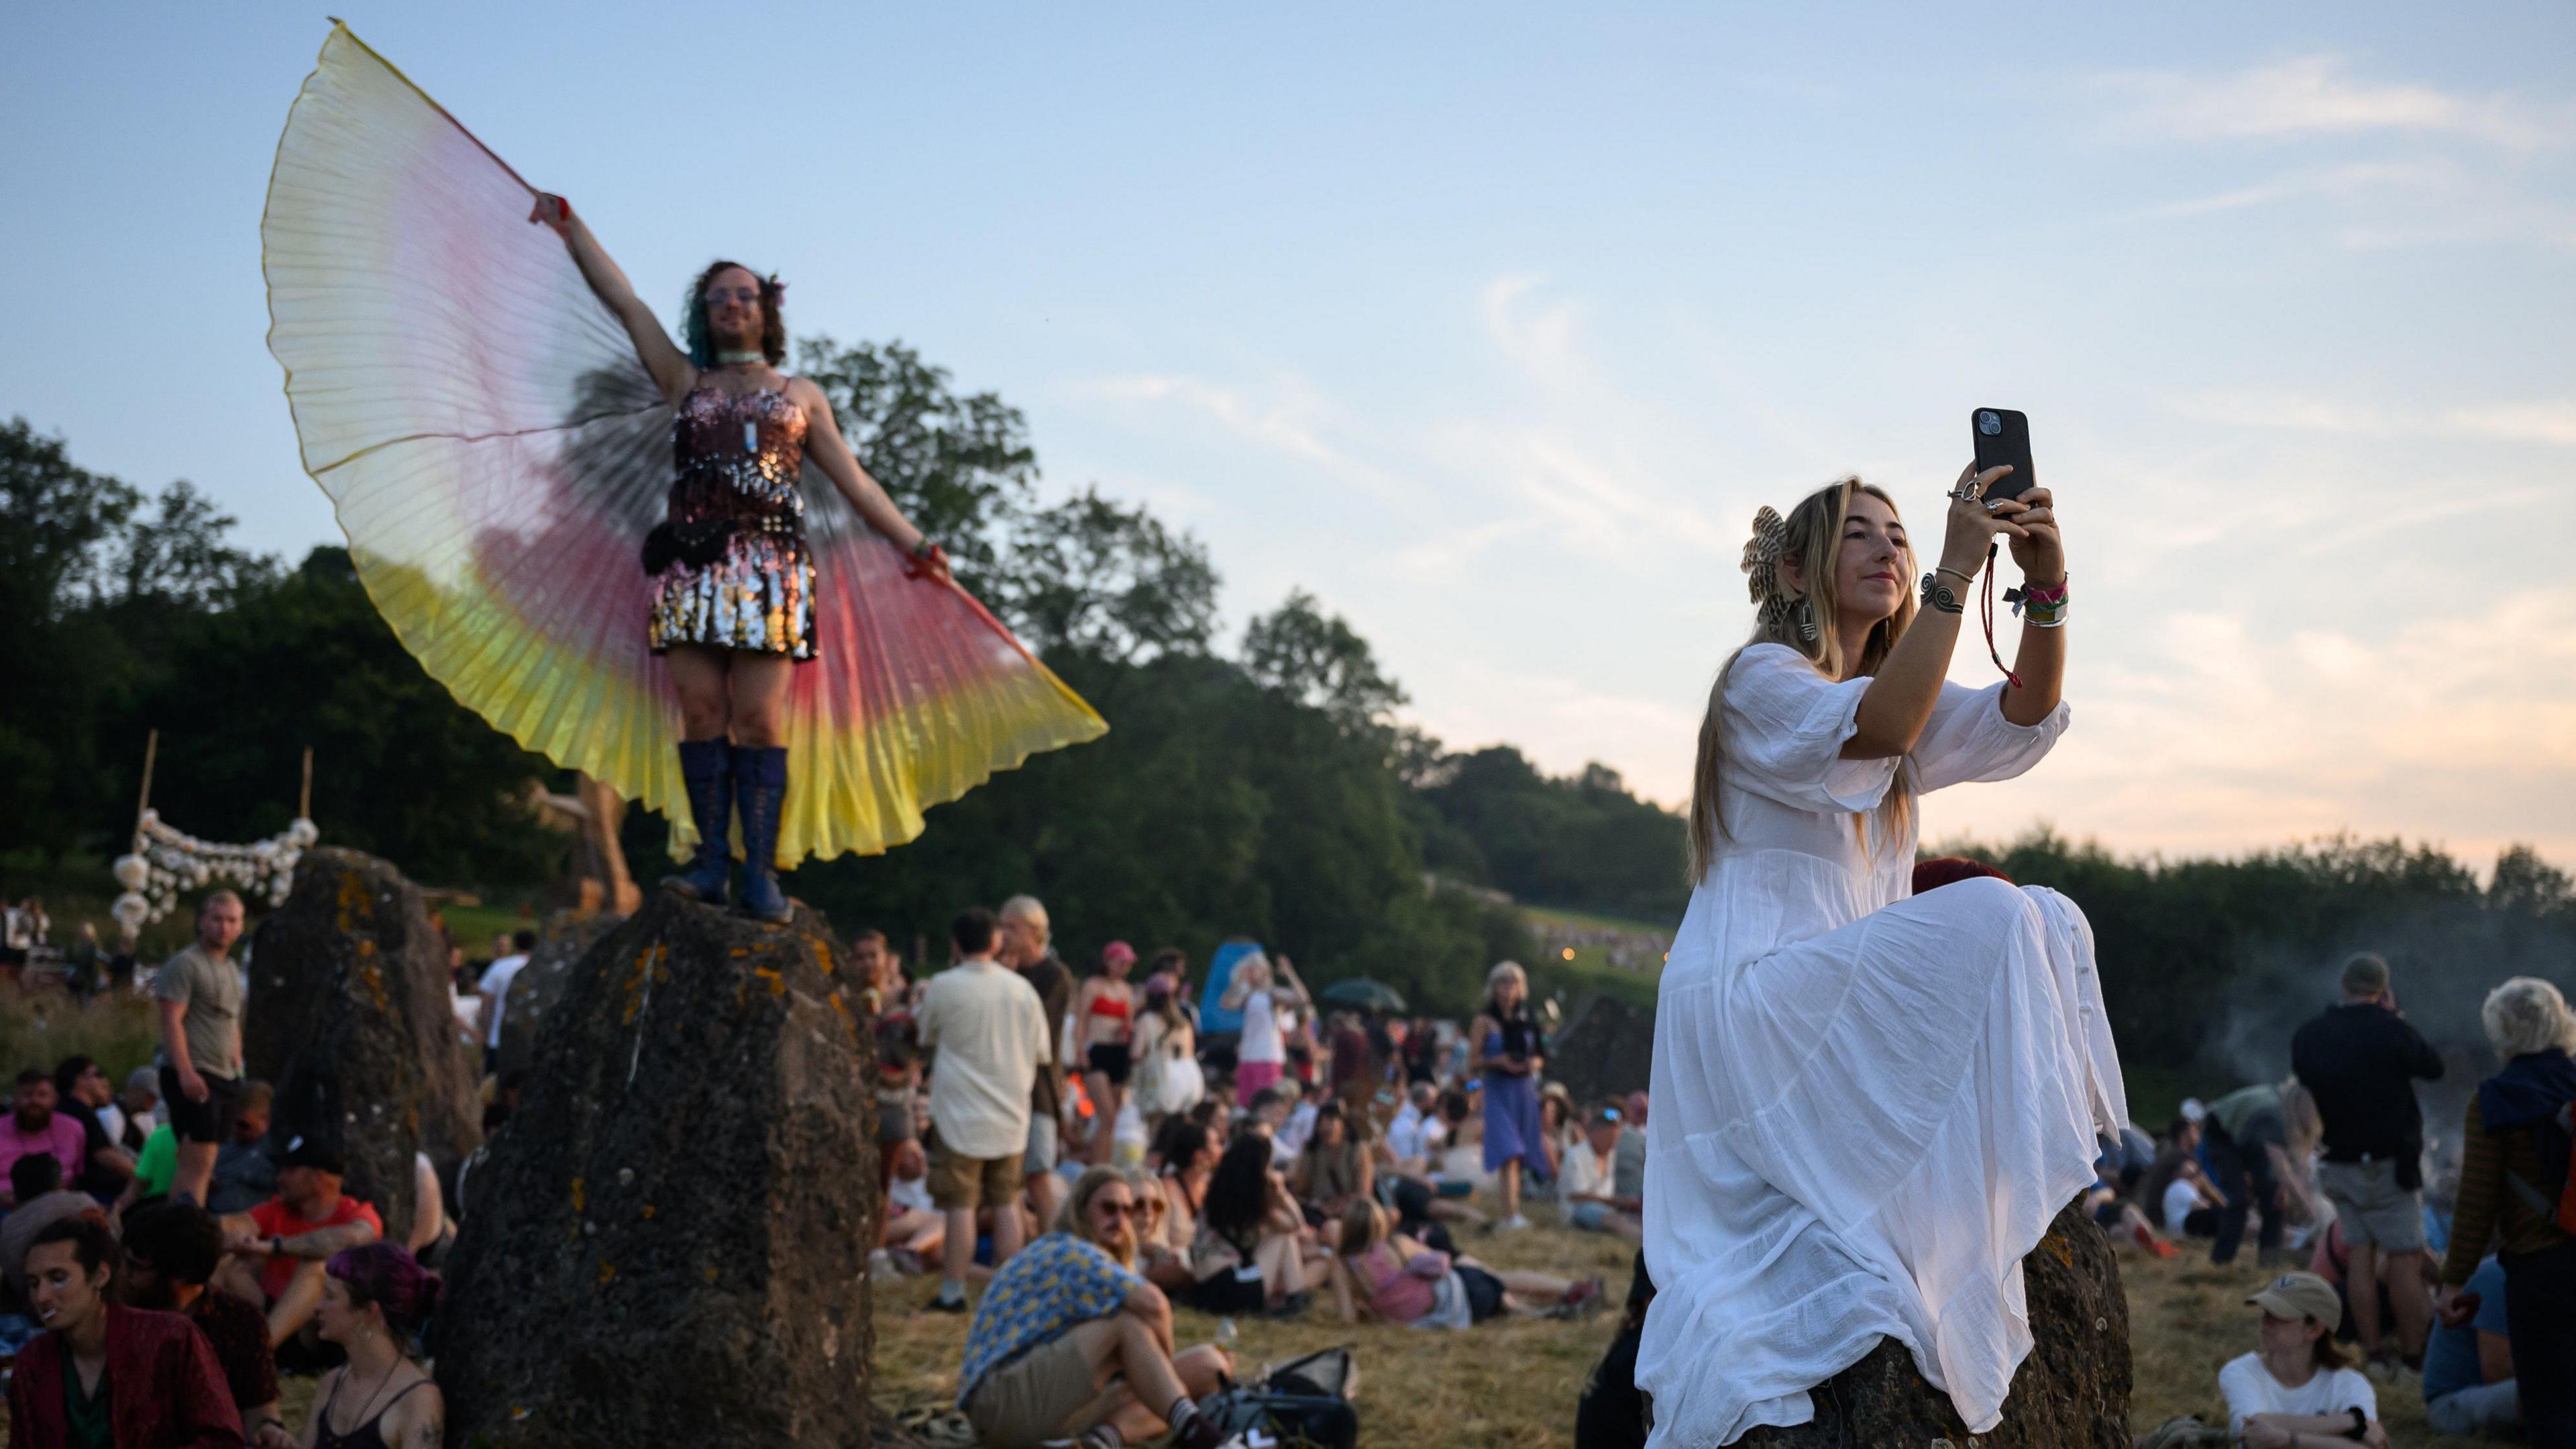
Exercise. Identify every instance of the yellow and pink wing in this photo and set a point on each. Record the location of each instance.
(496, 454)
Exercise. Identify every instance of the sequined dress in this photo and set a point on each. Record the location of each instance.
(738, 458)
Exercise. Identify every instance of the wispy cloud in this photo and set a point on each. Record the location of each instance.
(2548, 421)
(2318, 95)
(1290, 417)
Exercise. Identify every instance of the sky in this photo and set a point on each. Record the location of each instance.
(1492, 325)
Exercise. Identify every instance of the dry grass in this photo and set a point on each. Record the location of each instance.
(1513, 1386)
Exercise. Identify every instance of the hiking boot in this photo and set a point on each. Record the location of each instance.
(706, 769)
(759, 792)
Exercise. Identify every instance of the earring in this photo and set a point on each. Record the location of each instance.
(1807, 629)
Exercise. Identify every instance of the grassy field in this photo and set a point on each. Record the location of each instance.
(1514, 1386)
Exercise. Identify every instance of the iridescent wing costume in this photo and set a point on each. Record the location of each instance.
(497, 455)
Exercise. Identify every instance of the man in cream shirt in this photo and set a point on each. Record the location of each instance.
(987, 1032)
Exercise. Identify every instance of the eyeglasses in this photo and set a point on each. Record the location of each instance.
(746, 295)
(1122, 1209)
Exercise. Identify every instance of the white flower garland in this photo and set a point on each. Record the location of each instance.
(167, 861)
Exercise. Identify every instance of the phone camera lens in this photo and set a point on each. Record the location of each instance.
(1989, 424)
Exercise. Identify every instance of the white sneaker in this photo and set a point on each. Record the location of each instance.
(1512, 1224)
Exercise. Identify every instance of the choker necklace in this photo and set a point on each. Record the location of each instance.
(732, 359)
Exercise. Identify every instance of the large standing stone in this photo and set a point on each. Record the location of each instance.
(669, 1242)
(2071, 1393)
(349, 1016)
(1605, 1050)
(538, 987)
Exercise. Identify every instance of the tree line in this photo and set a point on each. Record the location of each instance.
(1263, 790)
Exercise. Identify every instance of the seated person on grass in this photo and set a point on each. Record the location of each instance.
(1589, 1193)
(2297, 1387)
(171, 1251)
(278, 1247)
(2468, 1364)
(103, 1373)
(43, 1200)
(915, 1228)
(1069, 1343)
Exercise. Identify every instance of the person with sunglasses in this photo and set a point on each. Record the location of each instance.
(1070, 1342)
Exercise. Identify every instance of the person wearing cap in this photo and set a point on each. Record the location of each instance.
(2297, 1390)
(1104, 1013)
(1588, 1189)
(2361, 1061)
(276, 1250)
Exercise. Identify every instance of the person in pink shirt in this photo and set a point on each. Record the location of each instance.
(34, 1126)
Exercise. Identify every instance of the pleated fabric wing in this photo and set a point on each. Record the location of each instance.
(496, 454)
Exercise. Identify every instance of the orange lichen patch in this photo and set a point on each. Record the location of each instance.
(848, 1022)
(777, 982)
(607, 1274)
(710, 1273)
(648, 1211)
(580, 1197)
(2057, 1249)
(647, 969)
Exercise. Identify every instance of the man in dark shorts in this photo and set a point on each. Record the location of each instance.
(200, 992)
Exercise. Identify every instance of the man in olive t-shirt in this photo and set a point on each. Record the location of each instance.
(200, 991)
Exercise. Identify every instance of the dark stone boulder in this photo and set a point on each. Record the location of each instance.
(350, 1018)
(669, 1242)
(1606, 1049)
(2071, 1393)
(539, 985)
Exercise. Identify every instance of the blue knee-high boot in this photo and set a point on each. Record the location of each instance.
(706, 768)
(759, 791)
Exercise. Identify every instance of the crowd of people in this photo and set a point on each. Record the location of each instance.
(1082, 1146)
(165, 1254)
(2464, 1278)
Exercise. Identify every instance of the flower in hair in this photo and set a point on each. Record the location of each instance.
(1762, 553)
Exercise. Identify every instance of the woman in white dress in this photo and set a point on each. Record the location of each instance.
(1868, 1104)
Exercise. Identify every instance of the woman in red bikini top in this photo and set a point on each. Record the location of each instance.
(1104, 1015)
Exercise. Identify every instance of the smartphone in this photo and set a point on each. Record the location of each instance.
(2002, 438)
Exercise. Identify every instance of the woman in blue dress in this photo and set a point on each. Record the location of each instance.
(1507, 1054)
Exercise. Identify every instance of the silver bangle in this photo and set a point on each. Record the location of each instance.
(1964, 576)
(2057, 623)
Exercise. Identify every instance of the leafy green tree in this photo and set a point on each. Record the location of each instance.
(1108, 580)
(1319, 661)
(959, 466)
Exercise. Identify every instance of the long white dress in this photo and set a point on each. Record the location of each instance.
(1868, 1104)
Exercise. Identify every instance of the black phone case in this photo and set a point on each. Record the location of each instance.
(2009, 443)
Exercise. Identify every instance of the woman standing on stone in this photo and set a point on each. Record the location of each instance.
(733, 607)
(1868, 1105)
(506, 432)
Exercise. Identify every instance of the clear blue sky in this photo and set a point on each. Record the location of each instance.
(1492, 325)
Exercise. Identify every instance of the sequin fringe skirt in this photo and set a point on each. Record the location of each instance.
(758, 597)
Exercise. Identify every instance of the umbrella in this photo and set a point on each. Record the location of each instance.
(1361, 994)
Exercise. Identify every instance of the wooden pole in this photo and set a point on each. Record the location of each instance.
(151, 748)
(304, 801)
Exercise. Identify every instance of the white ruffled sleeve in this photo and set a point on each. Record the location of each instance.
(1968, 740)
(1786, 725)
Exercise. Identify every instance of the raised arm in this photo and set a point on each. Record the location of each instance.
(1900, 697)
(2040, 553)
(670, 367)
(831, 453)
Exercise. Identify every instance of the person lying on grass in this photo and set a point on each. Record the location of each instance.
(1393, 1278)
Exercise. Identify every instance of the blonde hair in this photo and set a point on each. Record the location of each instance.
(1506, 971)
(1812, 535)
(2526, 1015)
(1363, 1227)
